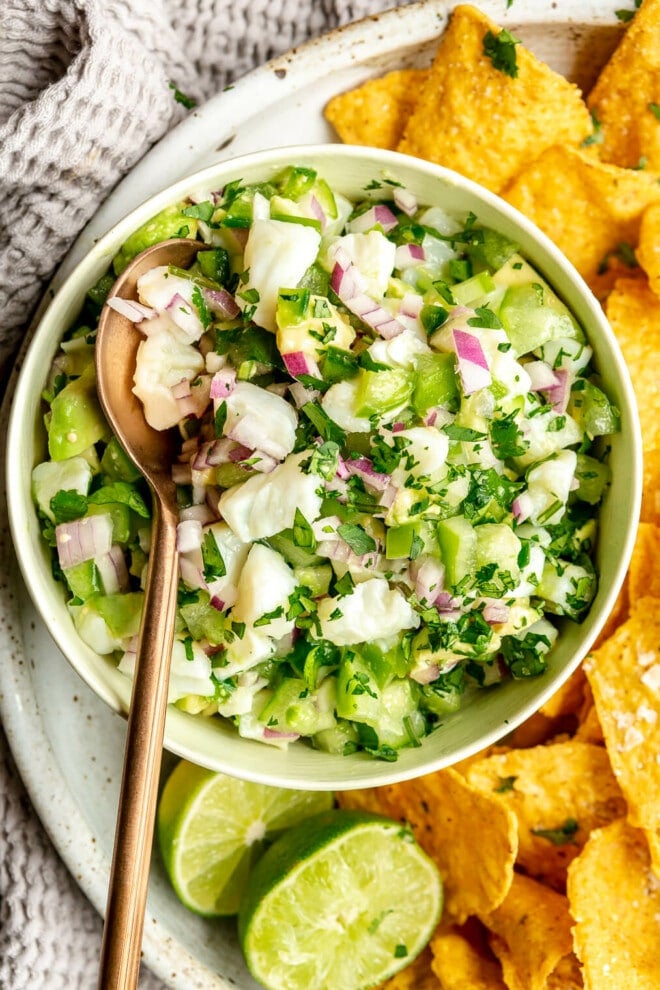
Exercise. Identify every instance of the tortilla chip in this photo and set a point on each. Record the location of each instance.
(634, 312)
(589, 728)
(449, 817)
(531, 933)
(589, 209)
(376, 112)
(461, 965)
(618, 615)
(653, 841)
(624, 674)
(563, 790)
(417, 976)
(537, 729)
(476, 119)
(651, 487)
(568, 699)
(625, 90)
(615, 901)
(648, 249)
(644, 573)
(567, 975)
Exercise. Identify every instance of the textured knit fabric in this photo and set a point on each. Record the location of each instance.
(84, 92)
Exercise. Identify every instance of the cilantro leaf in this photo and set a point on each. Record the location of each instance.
(596, 136)
(505, 784)
(68, 505)
(655, 110)
(506, 438)
(326, 427)
(186, 101)
(303, 534)
(214, 565)
(124, 493)
(465, 433)
(558, 836)
(200, 211)
(501, 50)
(357, 538)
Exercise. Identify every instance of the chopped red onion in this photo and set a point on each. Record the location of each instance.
(185, 316)
(429, 577)
(113, 571)
(181, 474)
(221, 303)
(409, 254)
(522, 507)
(301, 395)
(559, 394)
(130, 308)
(363, 468)
(411, 305)
(380, 214)
(262, 462)
(405, 200)
(182, 389)
(298, 363)
(388, 497)
(347, 283)
(541, 375)
(275, 736)
(317, 210)
(223, 383)
(189, 535)
(398, 427)
(191, 574)
(426, 675)
(472, 364)
(496, 612)
(326, 528)
(201, 513)
(83, 539)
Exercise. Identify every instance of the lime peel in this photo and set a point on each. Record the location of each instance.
(340, 902)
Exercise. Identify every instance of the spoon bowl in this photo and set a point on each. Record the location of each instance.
(152, 452)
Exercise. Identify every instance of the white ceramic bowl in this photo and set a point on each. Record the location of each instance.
(492, 714)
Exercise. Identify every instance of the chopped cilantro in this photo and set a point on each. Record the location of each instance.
(186, 101)
(303, 534)
(501, 50)
(214, 565)
(326, 427)
(505, 784)
(558, 836)
(596, 136)
(357, 538)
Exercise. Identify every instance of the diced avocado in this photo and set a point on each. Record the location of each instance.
(530, 321)
(291, 306)
(436, 384)
(592, 477)
(294, 555)
(84, 580)
(379, 392)
(76, 421)
(490, 248)
(203, 620)
(458, 546)
(116, 464)
(170, 222)
(214, 264)
(473, 288)
(403, 541)
(121, 612)
(51, 477)
(594, 411)
(567, 589)
(122, 521)
(295, 181)
(341, 739)
(315, 577)
(294, 708)
(445, 695)
(498, 544)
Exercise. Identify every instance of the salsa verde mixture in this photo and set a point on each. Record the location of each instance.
(387, 478)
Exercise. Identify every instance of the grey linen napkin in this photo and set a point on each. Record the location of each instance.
(85, 90)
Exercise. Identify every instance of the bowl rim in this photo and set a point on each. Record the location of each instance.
(22, 515)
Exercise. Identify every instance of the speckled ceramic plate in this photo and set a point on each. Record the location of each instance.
(68, 744)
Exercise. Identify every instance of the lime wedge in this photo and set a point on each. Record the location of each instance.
(212, 827)
(339, 902)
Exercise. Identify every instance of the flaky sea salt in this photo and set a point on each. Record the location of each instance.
(651, 678)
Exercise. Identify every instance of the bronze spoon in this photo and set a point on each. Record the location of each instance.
(152, 452)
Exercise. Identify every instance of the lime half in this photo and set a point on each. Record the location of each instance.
(340, 902)
(212, 827)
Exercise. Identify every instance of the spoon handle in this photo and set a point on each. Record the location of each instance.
(124, 920)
